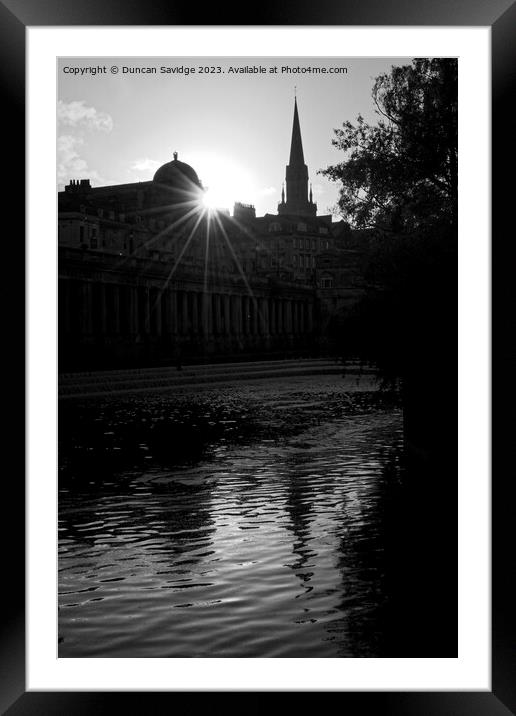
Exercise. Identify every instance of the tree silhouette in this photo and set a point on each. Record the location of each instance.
(398, 179)
(400, 175)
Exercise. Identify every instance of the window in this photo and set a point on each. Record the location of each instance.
(301, 226)
(295, 243)
(294, 259)
(327, 282)
(81, 233)
(313, 244)
(323, 230)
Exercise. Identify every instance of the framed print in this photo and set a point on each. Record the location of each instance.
(235, 486)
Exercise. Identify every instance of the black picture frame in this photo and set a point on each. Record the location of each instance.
(500, 15)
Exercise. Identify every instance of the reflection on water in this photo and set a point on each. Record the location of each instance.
(268, 550)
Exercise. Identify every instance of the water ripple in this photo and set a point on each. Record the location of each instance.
(267, 550)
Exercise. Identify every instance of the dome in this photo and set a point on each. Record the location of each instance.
(177, 175)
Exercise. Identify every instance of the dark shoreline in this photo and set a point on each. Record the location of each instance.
(101, 437)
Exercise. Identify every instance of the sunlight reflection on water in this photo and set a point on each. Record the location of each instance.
(268, 550)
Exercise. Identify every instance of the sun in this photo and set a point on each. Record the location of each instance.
(225, 181)
(211, 199)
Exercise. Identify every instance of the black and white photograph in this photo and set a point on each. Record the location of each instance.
(257, 351)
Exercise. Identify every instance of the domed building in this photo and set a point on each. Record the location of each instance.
(176, 183)
(147, 274)
(177, 174)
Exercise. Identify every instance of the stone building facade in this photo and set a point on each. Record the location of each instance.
(147, 275)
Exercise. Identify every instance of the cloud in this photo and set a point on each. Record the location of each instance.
(145, 165)
(318, 189)
(70, 164)
(76, 119)
(267, 191)
(78, 115)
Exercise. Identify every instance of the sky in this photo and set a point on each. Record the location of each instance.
(233, 128)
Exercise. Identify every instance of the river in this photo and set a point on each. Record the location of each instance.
(268, 547)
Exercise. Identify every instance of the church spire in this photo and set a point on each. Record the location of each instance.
(297, 201)
(296, 146)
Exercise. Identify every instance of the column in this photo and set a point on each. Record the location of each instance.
(279, 315)
(216, 314)
(172, 304)
(227, 314)
(146, 309)
(200, 313)
(265, 313)
(207, 318)
(132, 308)
(195, 312)
(252, 315)
(184, 313)
(165, 313)
(102, 308)
(232, 316)
(236, 305)
(240, 321)
(285, 317)
(272, 317)
(245, 315)
(157, 311)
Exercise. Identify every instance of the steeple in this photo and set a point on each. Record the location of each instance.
(297, 202)
(296, 146)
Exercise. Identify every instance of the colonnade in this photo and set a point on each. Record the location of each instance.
(95, 308)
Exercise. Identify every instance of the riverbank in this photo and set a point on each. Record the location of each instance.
(100, 436)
